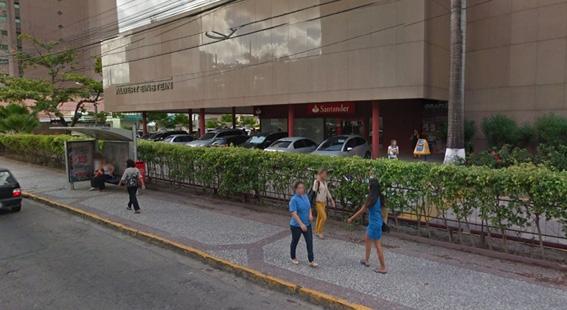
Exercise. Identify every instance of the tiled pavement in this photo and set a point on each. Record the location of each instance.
(420, 276)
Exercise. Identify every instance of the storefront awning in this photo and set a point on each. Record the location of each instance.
(101, 133)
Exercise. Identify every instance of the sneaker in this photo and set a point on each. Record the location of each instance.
(129, 208)
(295, 261)
(313, 265)
(92, 189)
(137, 212)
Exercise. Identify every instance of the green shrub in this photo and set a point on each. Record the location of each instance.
(500, 130)
(48, 150)
(551, 129)
(416, 187)
(552, 156)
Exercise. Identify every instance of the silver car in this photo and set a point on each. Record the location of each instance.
(293, 145)
(344, 146)
(178, 139)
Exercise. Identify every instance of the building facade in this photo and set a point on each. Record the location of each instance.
(318, 68)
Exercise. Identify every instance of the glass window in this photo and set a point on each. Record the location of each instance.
(312, 128)
(334, 144)
(2, 19)
(309, 143)
(207, 136)
(3, 4)
(3, 47)
(6, 178)
(299, 144)
(273, 124)
(281, 144)
(183, 139)
(257, 139)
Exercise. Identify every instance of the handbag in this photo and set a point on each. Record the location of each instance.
(312, 195)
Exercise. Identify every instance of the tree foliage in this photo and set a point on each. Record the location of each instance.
(15, 118)
(61, 83)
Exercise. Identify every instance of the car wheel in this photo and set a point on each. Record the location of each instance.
(16, 209)
(367, 155)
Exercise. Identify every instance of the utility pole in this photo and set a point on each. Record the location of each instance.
(12, 30)
(455, 151)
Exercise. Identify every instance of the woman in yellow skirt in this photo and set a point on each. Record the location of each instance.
(323, 196)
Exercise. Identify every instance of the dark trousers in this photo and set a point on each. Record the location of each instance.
(296, 233)
(98, 181)
(133, 199)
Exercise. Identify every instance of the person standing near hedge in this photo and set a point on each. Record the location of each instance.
(133, 179)
(374, 205)
(322, 197)
(300, 223)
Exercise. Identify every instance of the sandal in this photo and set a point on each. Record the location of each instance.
(380, 272)
(364, 263)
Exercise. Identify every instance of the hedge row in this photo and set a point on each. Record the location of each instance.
(516, 197)
(47, 150)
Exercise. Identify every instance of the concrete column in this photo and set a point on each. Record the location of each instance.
(375, 128)
(145, 123)
(190, 123)
(290, 120)
(202, 128)
(233, 118)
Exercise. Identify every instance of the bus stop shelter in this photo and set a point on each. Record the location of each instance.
(111, 145)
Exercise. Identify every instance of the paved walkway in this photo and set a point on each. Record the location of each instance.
(420, 276)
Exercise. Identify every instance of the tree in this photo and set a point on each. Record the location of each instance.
(62, 83)
(248, 121)
(15, 118)
(455, 151)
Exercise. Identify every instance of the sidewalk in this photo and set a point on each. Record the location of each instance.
(420, 276)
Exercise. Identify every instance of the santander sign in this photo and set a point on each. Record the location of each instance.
(330, 108)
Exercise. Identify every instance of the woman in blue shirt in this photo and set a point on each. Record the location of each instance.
(374, 204)
(300, 223)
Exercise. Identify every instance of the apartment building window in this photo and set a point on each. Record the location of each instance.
(3, 47)
(3, 61)
(3, 5)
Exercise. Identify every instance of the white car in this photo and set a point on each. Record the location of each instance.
(293, 145)
(344, 146)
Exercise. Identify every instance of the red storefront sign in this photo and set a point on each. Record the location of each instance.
(330, 108)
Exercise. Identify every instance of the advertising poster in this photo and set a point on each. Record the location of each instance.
(80, 160)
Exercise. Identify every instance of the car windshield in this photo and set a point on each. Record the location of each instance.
(6, 178)
(207, 136)
(219, 142)
(281, 144)
(334, 144)
(257, 140)
(169, 139)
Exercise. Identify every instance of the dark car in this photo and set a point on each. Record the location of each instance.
(160, 136)
(229, 141)
(209, 137)
(263, 140)
(10, 192)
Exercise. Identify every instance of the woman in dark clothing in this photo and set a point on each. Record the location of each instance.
(374, 204)
(133, 179)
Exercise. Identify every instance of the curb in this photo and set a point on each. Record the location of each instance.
(314, 296)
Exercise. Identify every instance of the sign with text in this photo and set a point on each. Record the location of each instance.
(79, 156)
(149, 87)
(330, 108)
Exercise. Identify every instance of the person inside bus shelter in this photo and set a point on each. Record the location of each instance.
(104, 171)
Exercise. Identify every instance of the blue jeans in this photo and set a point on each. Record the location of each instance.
(296, 233)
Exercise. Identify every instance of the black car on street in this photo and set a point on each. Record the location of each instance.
(10, 192)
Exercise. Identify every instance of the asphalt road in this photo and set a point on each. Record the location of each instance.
(53, 260)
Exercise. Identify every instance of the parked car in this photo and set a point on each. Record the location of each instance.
(344, 146)
(10, 192)
(162, 135)
(209, 137)
(293, 145)
(179, 139)
(229, 141)
(263, 140)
